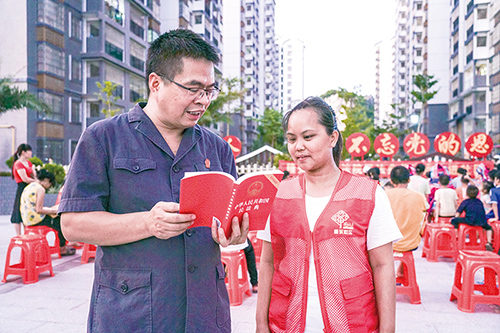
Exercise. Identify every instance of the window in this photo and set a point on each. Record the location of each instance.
(419, 6)
(76, 27)
(137, 25)
(55, 103)
(51, 13)
(75, 114)
(137, 53)
(115, 75)
(94, 69)
(198, 19)
(50, 149)
(50, 59)
(481, 41)
(94, 28)
(482, 13)
(114, 43)
(94, 110)
(72, 147)
(137, 88)
(418, 52)
(76, 69)
(419, 21)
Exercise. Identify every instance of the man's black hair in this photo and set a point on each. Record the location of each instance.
(400, 175)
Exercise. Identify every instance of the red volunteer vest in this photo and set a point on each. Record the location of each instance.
(345, 282)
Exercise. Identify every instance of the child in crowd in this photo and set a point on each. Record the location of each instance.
(445, 199)
(462, 189)
(474, 214)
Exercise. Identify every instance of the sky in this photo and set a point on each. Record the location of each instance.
(339, 38)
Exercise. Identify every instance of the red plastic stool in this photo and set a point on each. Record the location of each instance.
(236, 285)
(477, 237)
(440, 241)
(495, 225)
(44, 230)
(464, 285)
(408, 282)
(88, 252)
(257, 245)
(446, 220)
(35, 258)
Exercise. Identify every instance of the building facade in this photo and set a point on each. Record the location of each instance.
(383, 82)
(59, 52)
(470, 57)
(291, 62)
(493, 121)
(421, 47)
(250, 55)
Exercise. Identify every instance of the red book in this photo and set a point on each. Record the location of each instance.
(217, 196)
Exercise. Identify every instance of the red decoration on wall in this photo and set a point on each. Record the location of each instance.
(416, 144)
(357, 144)
(479, 144)
(386, 145)
(447, 143)
(235, 144)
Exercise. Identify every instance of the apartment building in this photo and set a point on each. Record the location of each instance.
(291, 73)
(250, 54)
(383, 82)
(201, 16)
(421, 46)
(493, 122)
(470, 57)
(59, 50)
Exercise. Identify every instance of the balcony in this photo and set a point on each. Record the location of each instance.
(469, 58)
(113, 13)
(480, 81)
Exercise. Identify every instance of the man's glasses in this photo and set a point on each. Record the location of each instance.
(198, 93)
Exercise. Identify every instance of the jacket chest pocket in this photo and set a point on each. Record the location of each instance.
(134, 165)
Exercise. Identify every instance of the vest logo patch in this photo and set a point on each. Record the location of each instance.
(345, 228)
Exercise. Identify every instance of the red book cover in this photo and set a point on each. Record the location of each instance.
(217, 196)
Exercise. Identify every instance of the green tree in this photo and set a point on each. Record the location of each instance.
(220, 109)
(270, 131)
(359, 115)
(12, 98)
(424, 84)
(106, 95)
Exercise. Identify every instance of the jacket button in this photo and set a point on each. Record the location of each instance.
(191, 268)
(176, 169)
(124, 287)
(189, 232)
(135, 167)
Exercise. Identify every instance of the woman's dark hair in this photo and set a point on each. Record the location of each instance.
(22, 147)
(472, 191)
(420, 168)
(44, 174)
(487, 186)
(374, 173)
(326, 118)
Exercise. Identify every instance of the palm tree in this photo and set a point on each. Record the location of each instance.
(12, 98)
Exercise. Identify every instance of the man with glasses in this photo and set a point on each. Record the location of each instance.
(152, 273)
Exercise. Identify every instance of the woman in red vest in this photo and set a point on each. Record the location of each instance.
(327, 260)
(23, 173)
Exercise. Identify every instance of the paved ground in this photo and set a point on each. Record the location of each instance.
(60, 303)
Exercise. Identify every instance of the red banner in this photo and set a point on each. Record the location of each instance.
(416, 144)
(234, 143)
(356, 167)
(447, 143)
(357, 144)
(386, 145)
(479, 144)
